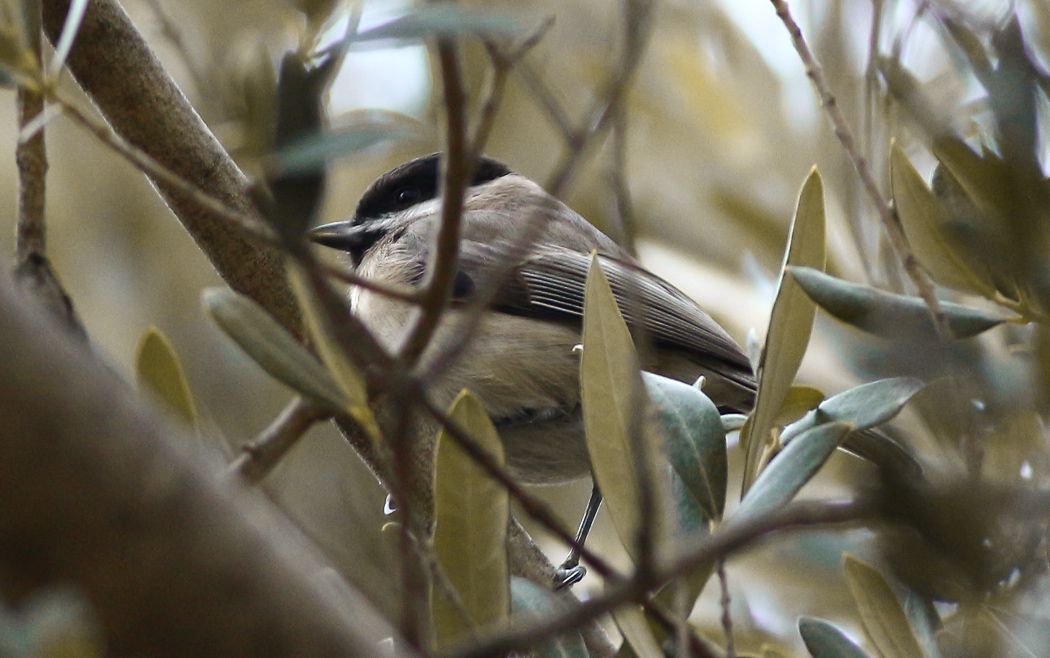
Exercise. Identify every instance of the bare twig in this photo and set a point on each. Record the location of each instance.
(441, 270)
(502, 64)
(729, 539)
(413, 575)
(261, 455)
(247, 224)
(726, 603)
(404, 294)
(545, 97)
(845, 136)
(31, 158)
(637, 23)
(628, 227)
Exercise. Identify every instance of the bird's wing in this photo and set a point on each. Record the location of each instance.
(550, 282)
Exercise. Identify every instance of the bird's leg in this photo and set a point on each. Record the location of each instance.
(570, 572)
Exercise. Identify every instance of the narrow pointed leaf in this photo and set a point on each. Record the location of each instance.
(158, 369)
(922, 216)
(985, 179)
(881, 613)
(272, 347)
(631, 621)
(471, 512)
(864, 406)
(345, 373)
(695, 439)
(614, 405)
(531, 604)
(791, 469)
(824, 640)
(886, 314)
(790, 324)
(438, 20)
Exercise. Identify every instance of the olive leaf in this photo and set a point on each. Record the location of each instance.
(532, 603)
(695, 439)
(863, 406)
(791, 469)
(614, 403)
(922, 216)
(471, 512)
(158, 369)
(272, 347)
(636, 630)
(438, 20)
(881, 613)
(319, 322)
(790, 324)
(886, 314)
(823, 640)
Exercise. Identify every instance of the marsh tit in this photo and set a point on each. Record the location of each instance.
(527, 255)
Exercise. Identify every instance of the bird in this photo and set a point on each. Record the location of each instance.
(525, 255)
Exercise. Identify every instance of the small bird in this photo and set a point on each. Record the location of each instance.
(528, 255)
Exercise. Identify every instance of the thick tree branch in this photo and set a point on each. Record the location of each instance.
(116, 68)
(97, 494)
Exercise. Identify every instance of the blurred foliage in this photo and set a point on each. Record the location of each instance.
(949, 105)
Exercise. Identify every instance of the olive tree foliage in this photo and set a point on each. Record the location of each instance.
(869, 215)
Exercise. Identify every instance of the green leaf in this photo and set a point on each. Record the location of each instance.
(439, 20)
(922, 216)
(534, 603)
(274, 349)
(320, 324)
(864, 406)
(791, 469)
(695, 438)
(984, 179)
(157, 368)
(825, 641)
(614, 405)
(306, 153)
(631, 621)
(471, 512)
(790, 324)
(881, 613)
(886, 314)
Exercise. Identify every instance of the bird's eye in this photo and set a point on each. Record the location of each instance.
(408, 195)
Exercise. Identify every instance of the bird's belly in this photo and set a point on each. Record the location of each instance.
(524, 372)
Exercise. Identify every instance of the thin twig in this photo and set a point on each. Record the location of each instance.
(404, 294)
(441, 270)
(726, 603)
(260, 456)
(502, 64)
(628, 227)
(248, 225)
(547, 100)
(845, 136)
(173, 33)
(637, 23)
(729, 539)
(31, 159)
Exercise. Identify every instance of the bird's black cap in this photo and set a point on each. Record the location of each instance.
(415, 182)
(404, 186)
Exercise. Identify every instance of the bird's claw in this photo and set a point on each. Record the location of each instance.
(568, 575)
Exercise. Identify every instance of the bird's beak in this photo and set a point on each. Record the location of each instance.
(338, 235)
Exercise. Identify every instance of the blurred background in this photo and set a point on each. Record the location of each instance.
(719, 130)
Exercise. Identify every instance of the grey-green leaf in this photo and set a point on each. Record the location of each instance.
(305, 154)
(864, 406)
(438, 20)
(695, 438)
(791, 469)
(530, 601)
(471, 511)
(824, 640)
(273, 348)
(886, 314)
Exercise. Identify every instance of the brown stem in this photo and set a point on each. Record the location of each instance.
(261, 455)
(441, 270)
(731, 538)
(845, 136)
